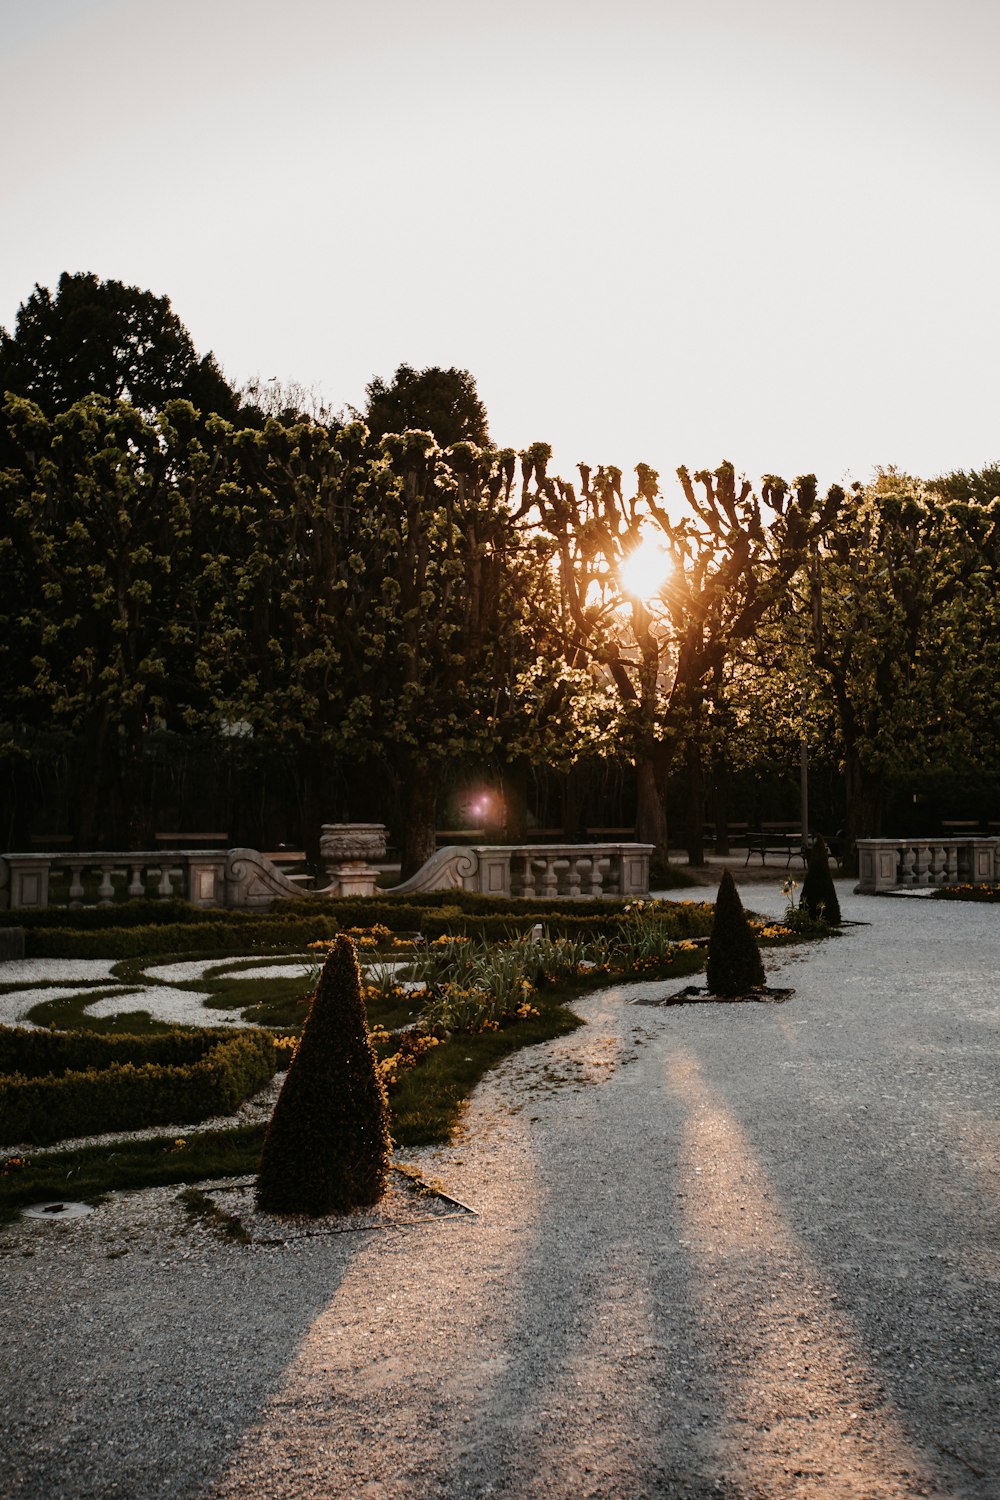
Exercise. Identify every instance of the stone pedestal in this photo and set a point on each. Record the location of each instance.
(345, 849)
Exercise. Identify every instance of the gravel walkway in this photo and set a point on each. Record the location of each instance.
(747, 1251)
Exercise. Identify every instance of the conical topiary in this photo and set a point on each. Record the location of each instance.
(734, 964)
(819, 894)
(327, 1146)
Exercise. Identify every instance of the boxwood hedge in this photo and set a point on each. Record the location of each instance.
(56, 1085)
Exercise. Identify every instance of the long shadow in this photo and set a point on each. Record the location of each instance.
(881, 1150)
(142, 1376)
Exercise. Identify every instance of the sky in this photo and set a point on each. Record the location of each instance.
(653, 230)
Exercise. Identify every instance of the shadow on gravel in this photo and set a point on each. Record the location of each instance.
(142, 1381)
(873, 1121)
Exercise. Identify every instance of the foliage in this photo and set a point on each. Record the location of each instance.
(444, 403)
(902, 614)
(327, 1146)
(74, 1084)
(663, 648)
(104, 338)
(819, 894)
(734, 966)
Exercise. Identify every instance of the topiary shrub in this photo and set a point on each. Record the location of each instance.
(327, 1147)
(819, 894)
(734, 964)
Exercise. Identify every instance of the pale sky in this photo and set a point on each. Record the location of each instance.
(675, 231)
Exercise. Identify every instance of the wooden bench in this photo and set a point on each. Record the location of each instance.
(192, 840)
(776, 838)
(282, 857)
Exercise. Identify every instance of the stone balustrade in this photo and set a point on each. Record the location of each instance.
(247, 878)
(547, 870)
(910, 864)
(196, 875)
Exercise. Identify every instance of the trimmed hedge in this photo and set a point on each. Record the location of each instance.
(58, 1085)
(327, 1146)
(111, 932)
(222, 936)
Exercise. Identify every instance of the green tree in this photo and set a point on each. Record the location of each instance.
(442, 402)
(327, 1147)
(902, 617)
(104, 338)
(99, 629)
(664, 642)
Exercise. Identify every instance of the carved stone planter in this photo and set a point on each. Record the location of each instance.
(345, 849)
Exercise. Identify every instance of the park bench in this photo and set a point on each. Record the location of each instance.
(192, 840)
(285, 859)
(776, 838)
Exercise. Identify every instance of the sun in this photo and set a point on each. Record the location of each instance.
(643, 572)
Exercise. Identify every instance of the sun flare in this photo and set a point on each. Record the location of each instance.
(643, 572)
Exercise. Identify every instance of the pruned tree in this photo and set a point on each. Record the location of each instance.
(725, 566)
(902, 616)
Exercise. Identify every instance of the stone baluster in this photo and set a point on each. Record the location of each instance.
(136, 884)
(951, 864)
(75, 868)
(106, 889)
(598, 869)
(579, 871)
(923, 865)
(165, 886)
(907, 860)
(938, 862)
(527, 876)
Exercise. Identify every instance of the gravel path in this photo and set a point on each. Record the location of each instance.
(747, 1251)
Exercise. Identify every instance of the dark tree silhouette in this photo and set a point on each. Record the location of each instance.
(819, 894)
(734, 965)
(108, 339)
(443, 402)
(327, 1147)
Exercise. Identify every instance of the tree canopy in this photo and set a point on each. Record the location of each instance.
(442, 402)
(104, 338)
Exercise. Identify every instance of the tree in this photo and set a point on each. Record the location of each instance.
(442, 402)
(819, 894)
(327, 1146)
(734, 966)
(902, 615)
(720, 572)
(99, 627)
(107, 339)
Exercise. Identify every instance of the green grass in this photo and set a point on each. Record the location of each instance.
(90, 1171)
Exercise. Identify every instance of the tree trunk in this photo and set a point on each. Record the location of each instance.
(651, 802)
(720, 801)
(91, 753)
(515, 801)
(864, 806)
(573, 820)
(419, 816)
(695, 780)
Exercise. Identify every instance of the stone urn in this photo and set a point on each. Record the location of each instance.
(345, 849)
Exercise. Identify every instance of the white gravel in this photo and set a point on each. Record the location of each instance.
(69, 970)
(14, 1006)
(748, 1251)
(175, 1007)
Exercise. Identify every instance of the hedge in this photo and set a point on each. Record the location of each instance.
(107, 933)
(58, 1085)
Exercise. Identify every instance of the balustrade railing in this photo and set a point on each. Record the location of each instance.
(99, 878)
(913, 864)
(247, 878)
